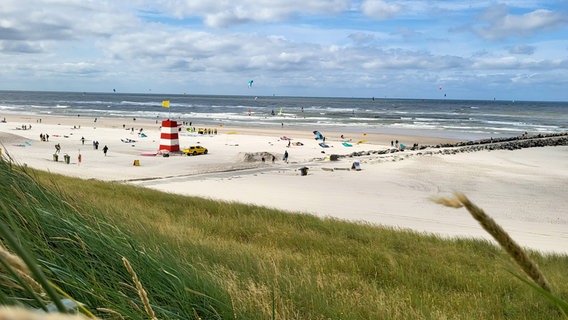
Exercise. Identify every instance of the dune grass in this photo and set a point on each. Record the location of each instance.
(203, 259)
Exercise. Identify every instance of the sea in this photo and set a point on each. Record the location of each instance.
(458, 119)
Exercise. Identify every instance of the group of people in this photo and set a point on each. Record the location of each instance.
(402, 147)
(202, 130)
(95, 146)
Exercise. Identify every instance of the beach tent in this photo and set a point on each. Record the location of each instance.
(169, 139)
(356, 166)
(318, 134)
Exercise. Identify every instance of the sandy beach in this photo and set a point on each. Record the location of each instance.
(523, 190)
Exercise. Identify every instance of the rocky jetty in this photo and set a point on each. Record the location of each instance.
(508, 143)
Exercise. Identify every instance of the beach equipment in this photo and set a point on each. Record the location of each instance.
(323, 145)
(346, 144)
(136, 163)
(318, 134)
(169, 139)
(304, 171)
(356, 166)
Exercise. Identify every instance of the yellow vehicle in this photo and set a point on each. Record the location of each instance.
(195, 150)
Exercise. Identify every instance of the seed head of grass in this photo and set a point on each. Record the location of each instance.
(500, 235)
(20, 269)
(141, 292)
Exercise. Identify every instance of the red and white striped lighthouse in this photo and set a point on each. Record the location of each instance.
(169, 139)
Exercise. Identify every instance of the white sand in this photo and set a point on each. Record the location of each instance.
(523, 190)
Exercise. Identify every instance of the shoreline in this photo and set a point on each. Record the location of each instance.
(384, 135)
(267, 130)
(522, 189)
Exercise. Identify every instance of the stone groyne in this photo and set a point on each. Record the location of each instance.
(508, 143)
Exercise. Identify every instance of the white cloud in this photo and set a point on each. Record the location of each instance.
(499, 24)
(221, 14)
(380, 9)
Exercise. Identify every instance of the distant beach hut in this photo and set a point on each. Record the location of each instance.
(169, 139)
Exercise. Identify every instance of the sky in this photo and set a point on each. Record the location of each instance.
(445, 49)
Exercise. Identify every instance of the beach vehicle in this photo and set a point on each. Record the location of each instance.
(195, 150)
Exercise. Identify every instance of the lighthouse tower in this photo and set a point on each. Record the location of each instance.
(169, 139)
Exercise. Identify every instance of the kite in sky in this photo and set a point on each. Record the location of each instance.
(250, 83)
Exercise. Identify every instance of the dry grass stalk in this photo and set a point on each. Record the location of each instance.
(16, 313)
(20, 268)
(118, 315)
(13, 260)
(501, 236)
(141, 292)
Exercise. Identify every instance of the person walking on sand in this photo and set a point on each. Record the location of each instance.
(105, 149)
(285, 158)
(83, 140)
(57, 148)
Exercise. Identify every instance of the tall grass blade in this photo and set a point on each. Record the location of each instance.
(562, 304)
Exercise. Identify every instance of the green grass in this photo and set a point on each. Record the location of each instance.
(205, 259)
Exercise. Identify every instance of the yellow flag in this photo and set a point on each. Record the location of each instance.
(166, 103)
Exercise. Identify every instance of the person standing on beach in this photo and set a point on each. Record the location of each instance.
(105, 149)
(82, 140)
(285, 158)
